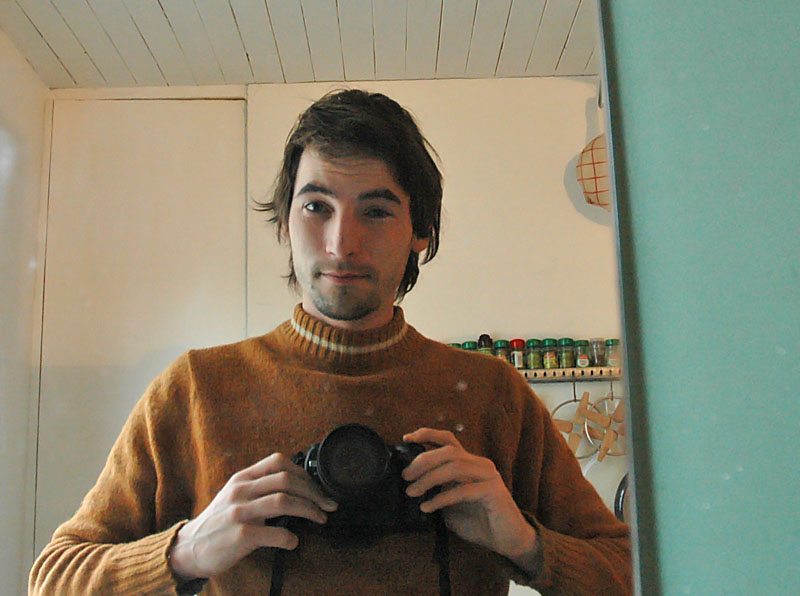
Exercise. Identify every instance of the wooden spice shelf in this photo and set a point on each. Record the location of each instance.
(568, 375)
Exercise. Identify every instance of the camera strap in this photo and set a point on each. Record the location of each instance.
(441, 556)
(277, 572)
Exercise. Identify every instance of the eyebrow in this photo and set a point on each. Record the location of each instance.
(378, 193)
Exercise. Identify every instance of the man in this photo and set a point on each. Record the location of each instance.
(200, 480)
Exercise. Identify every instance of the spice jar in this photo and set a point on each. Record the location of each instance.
(549, 354)
(566, 353)
(582, 359)
(518, 353)
(597, 351)
(533, 353)
(502, 349)
(613, 352)
(485, 344)
(470, 345)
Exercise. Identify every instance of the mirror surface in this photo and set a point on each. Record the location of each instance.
(152, 249)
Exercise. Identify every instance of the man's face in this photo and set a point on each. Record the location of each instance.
(350, 233)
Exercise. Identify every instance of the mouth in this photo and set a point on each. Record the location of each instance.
(343, 277)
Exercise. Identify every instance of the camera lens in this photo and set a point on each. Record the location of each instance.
(353, 461)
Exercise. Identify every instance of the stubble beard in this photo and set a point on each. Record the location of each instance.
(344, 304)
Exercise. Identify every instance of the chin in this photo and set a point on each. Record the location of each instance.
(346, 308)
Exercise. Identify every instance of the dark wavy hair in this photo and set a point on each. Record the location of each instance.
(356, 123)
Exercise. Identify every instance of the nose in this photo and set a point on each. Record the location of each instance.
(344, 235)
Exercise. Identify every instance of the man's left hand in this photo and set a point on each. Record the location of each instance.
(474, 500)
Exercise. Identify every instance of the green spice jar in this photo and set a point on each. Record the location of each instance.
(566, 353)
(582, 358)
(485, 344)
(502, 349)
(533, 354)
(470, 345)
(613, 352)
(549, 354)
(518, 353)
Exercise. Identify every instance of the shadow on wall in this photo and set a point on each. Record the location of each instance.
(83, 409)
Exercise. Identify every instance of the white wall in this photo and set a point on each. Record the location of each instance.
(521, 255)
(145, 260)
(23, 104)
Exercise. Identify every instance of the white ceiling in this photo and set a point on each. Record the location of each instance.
(127, 43)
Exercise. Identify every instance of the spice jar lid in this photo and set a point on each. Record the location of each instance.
(485, 341)
(470, 345)
(581, 342)
(533, 343)
(612, 342)
(517, 343)
(501, 343)
(565, 341)
(454, 344)
(549, 342)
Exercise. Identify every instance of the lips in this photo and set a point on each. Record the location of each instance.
(343, 276)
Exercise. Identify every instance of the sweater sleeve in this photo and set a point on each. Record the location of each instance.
(117, 542)
(585, 549)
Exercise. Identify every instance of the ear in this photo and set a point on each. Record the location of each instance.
(418, 245)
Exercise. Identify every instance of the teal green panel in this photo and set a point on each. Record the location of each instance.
(705, 108)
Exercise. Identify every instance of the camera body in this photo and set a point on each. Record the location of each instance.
(362, 473)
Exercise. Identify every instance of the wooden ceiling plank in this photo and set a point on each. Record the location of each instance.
(159, 37)
(389, 18)
(226, 40)
(355, 28)
(63, 42)
(259, 42)
(521, 32)
(323, 39)
(290, 37)
(556, 24)
(491, 19)
(192, 37)
(458, 18)
(581, 41)
(423, 19)
(94, 39)
(121, 28)
(33, 47)
(594, 64)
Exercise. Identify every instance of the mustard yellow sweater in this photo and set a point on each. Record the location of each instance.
(216, 411)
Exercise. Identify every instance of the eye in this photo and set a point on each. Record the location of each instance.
(377, 213)
(316, 207)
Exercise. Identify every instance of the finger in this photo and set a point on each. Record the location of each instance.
(277, 505)
(432, 436)
(460, 493)
(288, 482)
(425, 462)
(452, 472)
(275, 462)
(273, 536)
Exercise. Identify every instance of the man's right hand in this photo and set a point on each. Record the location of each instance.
(233, 524)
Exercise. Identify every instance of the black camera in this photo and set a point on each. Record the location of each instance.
(358, 470)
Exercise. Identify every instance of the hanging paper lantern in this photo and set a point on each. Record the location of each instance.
(592, 173)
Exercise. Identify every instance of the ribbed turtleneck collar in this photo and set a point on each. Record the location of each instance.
(334, 346)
